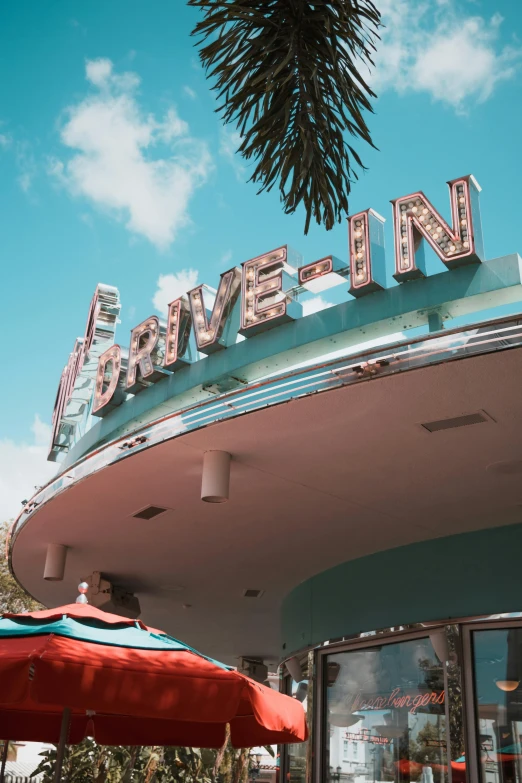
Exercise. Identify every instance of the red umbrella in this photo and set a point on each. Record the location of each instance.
(458, 769)
(76, 671)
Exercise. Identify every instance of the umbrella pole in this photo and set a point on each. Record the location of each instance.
(64, 733)
(4, 760)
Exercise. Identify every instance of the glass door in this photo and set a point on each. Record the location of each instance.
(385, 713)
(496, 674)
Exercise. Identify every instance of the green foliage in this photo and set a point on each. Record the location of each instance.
(89, 762)
(288, 73)
(426, 748)
(13, 598)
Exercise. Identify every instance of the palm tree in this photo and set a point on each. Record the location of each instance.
(288, 74)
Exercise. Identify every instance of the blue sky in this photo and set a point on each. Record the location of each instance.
(115, 168)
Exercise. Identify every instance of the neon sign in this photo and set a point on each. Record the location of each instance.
(397, 699)
(262, 294)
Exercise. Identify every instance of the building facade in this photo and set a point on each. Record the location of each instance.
(338, 494)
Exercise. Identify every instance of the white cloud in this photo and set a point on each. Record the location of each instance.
(315, 305)
(172, 127)
(229, 143)
(190, 92)
(432, 47)
(87, 219)
(41, 431)
(23, 157)
(22, 467)
(26, 164)
(98, 71)
(25, 181)
(170, 287)
(113, 162)
(226, 258)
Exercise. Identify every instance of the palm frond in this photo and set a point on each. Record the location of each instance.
(288, 75)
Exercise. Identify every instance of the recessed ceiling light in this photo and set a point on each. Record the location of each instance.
(506, 468)
(149, 512)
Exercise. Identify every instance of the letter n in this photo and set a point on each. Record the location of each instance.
(415, 219)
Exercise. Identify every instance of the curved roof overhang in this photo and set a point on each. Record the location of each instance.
(329, 463)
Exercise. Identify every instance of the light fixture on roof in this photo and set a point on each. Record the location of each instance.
(254, 668)
(294, 668)
(55, 562)
(108, 597)
(344, 720)
(215, 482)
(507, 685)
(439, 642)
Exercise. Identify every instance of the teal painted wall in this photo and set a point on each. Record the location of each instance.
(457, 576)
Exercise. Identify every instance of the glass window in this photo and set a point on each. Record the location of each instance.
(389, 702)
(497, 658)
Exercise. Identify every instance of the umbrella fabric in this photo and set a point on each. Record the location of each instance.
(128, 684)
(414, 768)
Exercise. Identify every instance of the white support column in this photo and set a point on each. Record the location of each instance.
(216, 477)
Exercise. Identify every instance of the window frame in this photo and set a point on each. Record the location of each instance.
(317, 658)
(471, 723)
(320, 773)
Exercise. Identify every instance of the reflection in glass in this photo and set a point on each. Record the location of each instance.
(497, 656)
(296, 754)
(386, 715)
